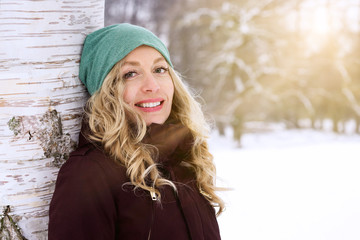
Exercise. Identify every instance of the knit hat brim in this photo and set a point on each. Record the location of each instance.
(105, 47)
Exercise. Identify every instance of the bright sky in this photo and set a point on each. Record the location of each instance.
(323, 16)
(319, 20)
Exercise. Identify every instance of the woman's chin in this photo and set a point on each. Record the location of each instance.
(150, 121)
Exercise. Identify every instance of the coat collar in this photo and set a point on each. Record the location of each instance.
(174, 141)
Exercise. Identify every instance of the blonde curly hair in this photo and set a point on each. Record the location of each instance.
(120, 130)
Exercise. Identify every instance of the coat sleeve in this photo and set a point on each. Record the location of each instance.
(82, 206)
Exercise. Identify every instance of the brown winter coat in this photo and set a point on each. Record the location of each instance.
(91, 201)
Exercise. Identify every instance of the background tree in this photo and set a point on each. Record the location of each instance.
(281, 61)
(41, 100)
(268, 61)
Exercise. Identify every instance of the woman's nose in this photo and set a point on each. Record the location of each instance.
(150, 84)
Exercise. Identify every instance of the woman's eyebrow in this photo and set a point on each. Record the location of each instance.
(135, 63)
(131, 63)
(159, 59)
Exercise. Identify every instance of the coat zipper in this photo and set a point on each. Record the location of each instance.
(154, 199)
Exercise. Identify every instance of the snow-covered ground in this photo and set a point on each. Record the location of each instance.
(289, 184)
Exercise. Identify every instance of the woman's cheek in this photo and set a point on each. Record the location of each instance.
(128, 96)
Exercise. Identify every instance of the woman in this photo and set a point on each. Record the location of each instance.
(142, 169)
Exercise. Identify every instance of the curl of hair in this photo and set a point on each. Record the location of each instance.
(120, 130)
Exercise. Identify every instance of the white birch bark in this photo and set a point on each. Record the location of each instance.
(41, 100)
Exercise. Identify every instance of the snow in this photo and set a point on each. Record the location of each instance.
(289, 184)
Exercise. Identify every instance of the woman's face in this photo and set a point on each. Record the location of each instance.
(148, 86)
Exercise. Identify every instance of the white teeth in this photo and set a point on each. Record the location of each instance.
(149, 105)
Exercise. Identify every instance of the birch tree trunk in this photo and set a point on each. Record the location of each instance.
(41, 100)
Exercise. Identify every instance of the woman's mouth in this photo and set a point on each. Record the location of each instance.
(148, 105)
(151, 105)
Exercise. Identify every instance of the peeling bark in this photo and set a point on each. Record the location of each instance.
(41, 101)
(8, 228)
(47, 131)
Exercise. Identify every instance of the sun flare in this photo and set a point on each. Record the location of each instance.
(320, 22)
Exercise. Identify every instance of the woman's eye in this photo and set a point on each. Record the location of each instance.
(129, 75)
(161, 70)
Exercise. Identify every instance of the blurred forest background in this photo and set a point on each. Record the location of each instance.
(295, 62)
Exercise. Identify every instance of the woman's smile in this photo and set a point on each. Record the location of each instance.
(150, 105)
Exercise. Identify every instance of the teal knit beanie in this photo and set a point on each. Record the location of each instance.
(105, 47)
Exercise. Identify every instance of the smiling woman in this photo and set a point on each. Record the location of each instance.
(142, 169)
(148, 84)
